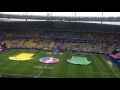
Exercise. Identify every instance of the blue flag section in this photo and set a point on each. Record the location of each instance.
(3, 47)
(56, 50)
(115, 57)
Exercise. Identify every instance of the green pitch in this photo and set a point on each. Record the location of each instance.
(97, 69)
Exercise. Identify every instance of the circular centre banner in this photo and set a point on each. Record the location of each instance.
(49, 60)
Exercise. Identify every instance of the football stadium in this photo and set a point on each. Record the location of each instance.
(34, 46)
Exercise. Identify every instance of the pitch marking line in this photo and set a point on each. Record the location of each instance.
(49, 77)
(110, 67)
(90, 68)
(99, 72)
(42, 71)
(28, 75)
(3, 62)
(102, 64)
(17, 74)
(104, 73)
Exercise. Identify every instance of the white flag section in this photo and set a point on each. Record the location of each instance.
(49, 60)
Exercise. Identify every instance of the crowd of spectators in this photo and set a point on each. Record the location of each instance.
(91, 36)
(81, 37)
(82, 41)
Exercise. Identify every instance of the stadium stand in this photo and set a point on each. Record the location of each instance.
(71, 36)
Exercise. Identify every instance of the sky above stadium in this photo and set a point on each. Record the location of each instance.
(82, 14)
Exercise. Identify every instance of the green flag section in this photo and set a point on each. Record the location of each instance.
(78, 60)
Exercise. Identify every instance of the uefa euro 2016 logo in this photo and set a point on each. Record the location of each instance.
(49, 60)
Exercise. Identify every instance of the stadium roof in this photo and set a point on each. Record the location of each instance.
(71, 14)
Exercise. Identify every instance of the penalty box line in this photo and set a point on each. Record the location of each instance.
(99, 72)
(110, 67)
